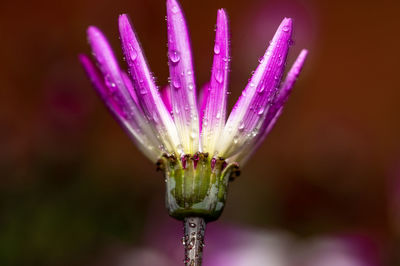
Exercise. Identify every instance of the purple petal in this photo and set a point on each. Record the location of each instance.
(248, 114)
(276, 109)
(145, 143)
(130, 88)
(111, 72)
(183, 92)
(213, 120)
(202, 101)
(166, 97)
(149, 97)
(290, 80)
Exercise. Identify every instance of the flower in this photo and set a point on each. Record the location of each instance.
(194, 144)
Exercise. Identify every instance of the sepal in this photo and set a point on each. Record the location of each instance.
(196, 186)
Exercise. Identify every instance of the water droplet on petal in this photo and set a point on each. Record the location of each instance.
(219, 76)
(176, 83)
(241, 127)
(174, 56)
(132, 52)
(110, 83)
(176, 110)
(261, 111)
(190, 86)
(217, 49)
(280, 61)
(179, 149)
(261, 59)
(175, 9)
(218, 116)
(285, 28)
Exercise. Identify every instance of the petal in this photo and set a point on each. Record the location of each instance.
(183, 92)
(202, 101)
(276, 109)
(149, 97)
(147, 145)
(213, 120)
(166, 97)
(290, 80)
(250, 111)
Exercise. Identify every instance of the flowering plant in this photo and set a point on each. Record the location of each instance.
(189, 137)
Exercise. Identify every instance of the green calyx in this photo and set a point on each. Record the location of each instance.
(196, 186)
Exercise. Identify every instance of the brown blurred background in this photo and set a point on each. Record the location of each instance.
(73, 188)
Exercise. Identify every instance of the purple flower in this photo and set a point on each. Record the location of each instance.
(176, 121)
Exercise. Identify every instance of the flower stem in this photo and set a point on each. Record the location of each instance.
(194, 228)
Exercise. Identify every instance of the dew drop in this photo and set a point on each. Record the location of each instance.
(261, 59)
(174, 56)
(218, 116)
(109, 82)
(179, 149)
(132, 52)
(217, 49)
(280, 61)
(175, 9)
(241, 127)
(192, 225)
(261, 111)
(176, 83)
(193, 135)
(219, 76)
(285, 28)
(190, 86)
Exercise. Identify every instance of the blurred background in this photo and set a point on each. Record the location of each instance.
(323, 190)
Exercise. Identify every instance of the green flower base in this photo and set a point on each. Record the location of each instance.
(196, 186)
